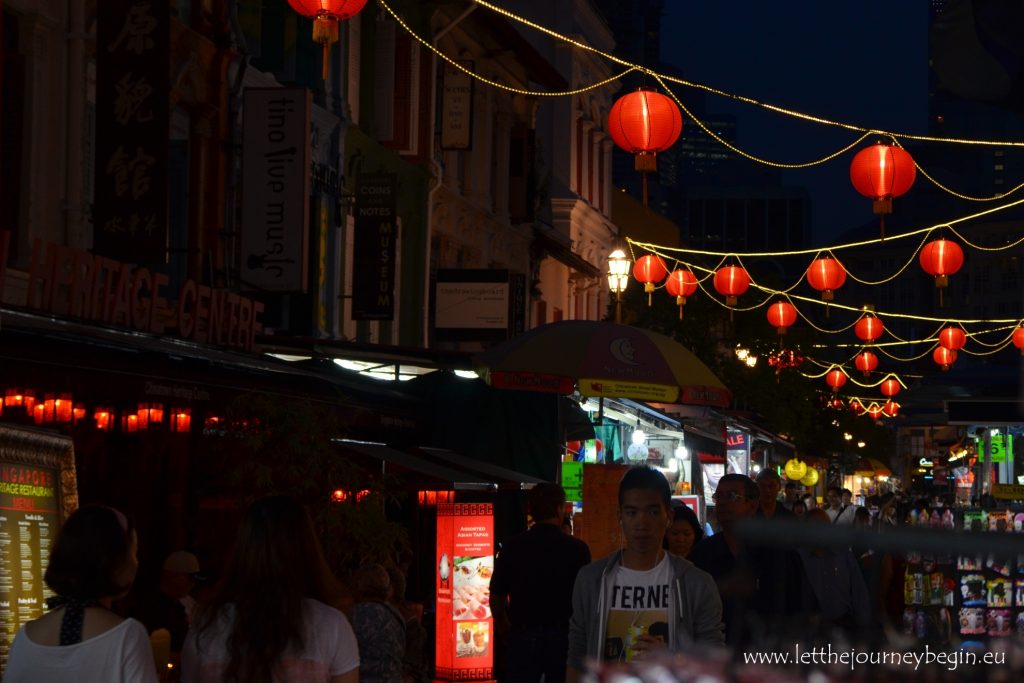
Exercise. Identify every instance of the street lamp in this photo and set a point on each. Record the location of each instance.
(618, 278)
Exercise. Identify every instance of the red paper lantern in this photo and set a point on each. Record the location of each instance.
(181, 420)
(944, 357)
(326, 14)
(1018, 339)
(857, 407)
(891, 409)
(649, 269)
(826, 275)
(866, 362)
(104, 418)
(953, 338)
(882, 172)
(837, 403)
(681, 284)
(644, 123)
(875, 411)
(890, 387)
(941, 258)
(731, 282)
(781, 315)
(869, 328)
(835, 379)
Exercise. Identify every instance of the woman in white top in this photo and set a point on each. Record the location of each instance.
(270, 621)
(93, 562)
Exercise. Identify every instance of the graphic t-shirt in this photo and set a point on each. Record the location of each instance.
(638, 605)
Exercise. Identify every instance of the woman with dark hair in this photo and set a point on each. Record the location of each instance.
(684, 531)
(93, 562)
(379, 627)
(270, 621)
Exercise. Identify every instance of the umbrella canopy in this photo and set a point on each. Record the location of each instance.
(872, 466)
(602, 359)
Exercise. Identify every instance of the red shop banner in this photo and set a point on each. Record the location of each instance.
(465, 562)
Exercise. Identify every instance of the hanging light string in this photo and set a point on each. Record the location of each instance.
(739, 98)
(766, 162)
(849, 245)
(959, 195)
(496, 84)
(662, 78)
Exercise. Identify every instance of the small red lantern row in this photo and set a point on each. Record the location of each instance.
(890, 387)
(866, 362)
(649, 269)
(869, 328)
(731, 282)
(681, 284)
(835, 379)
(953, 338)
(882, 172)
(781, 315)
(941, 258)
(944, 357)
(826, 275)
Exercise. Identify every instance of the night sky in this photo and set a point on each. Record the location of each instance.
(863, 62)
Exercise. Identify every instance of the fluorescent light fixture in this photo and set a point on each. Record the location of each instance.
(466, 374)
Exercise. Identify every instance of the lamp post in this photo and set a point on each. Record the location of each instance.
(618, 278)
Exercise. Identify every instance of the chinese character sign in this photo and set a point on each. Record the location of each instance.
(132, 118)
(464, 563)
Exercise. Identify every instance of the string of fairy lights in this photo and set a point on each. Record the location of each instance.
(986, 336)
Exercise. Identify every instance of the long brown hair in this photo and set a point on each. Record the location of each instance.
(277, 561)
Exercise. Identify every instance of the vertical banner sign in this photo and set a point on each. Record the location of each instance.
(132, 119)
(464, 638)
(29, 521)
(275, 189)
(457, 108)
(376, 233)
(737, 444)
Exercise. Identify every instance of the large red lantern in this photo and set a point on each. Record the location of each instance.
(941, 258)
(944, 357)
(781, 315)
(644, 123)
(1018, 339)
(869, 328)
(649, 269)
(882, 172)
(826, 275)
(890, 387)
(681, 284)
(731, 282)
(866, 362)
(952, 337)
(835, 379)
(326, 14)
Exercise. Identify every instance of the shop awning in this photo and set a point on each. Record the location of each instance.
(459, 479)
(872, 465)
(500, 474)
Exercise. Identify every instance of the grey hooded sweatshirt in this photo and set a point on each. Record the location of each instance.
(695, 609)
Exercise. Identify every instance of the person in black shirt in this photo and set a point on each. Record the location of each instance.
(531, 590)
(769, 484)
(761, 586)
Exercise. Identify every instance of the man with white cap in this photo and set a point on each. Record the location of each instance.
(171, 608)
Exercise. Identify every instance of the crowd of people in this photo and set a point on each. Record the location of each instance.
(276, 614)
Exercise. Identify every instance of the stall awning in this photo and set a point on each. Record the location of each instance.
(459, 479)
(502, 475)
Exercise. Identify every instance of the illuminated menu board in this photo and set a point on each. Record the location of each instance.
(464, 562)
(29, 521)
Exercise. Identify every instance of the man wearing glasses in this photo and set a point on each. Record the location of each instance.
(760, 586)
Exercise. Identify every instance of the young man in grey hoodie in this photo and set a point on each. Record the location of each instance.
(641, 598)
